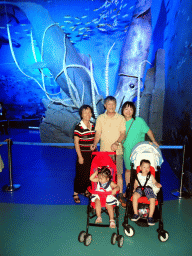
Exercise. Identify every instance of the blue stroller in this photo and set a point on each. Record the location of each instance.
(145, 150)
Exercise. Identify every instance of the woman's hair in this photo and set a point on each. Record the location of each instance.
(84, 107)
(145, 161)
(131, 105)
(105, 171)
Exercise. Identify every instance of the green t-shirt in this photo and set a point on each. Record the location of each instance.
(135, 135)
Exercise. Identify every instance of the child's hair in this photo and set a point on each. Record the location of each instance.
(145, 161)
(105, 171)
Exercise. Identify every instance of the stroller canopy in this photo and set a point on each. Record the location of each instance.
(146, 150)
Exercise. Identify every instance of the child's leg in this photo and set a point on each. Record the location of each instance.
(136, 196)
(98, 207)
(111, 215)
(151, 207)
(110, 211)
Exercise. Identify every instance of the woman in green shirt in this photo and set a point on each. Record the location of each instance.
(136, 128)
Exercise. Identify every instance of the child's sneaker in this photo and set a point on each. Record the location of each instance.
(150, 221)
(135, 217)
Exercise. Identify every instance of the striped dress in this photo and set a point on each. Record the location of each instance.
(86, 139)
(110, 199)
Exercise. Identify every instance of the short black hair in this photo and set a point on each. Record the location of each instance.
(145, 161)
(85, 107)
(131, 105)
(110, 98)
(104, 170)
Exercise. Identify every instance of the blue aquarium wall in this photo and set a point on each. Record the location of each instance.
(98, 29)
(57, 55)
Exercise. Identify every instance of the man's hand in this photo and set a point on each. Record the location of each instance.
(114, 146)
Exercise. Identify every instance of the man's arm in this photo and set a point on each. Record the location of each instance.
(115, 145)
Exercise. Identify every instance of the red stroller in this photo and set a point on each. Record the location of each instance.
(145, 150)
(101, 159)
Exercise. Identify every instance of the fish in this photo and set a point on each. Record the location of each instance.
(138, 38)
(102, 29)
(114, 16)
(126, 15)
(101, 25)
(83, 17)
(67, 16)
(67, 21)
(94, 20)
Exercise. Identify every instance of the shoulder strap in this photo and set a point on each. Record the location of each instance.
(128, 131)
(148, 177)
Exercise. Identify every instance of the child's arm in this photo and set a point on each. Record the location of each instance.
(158, 185)
(93, 177)
(135, 185)
(115, 188)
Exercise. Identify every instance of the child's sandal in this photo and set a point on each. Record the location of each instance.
(112, 224)
(98, 220)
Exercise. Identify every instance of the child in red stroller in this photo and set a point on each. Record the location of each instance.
(103, 188)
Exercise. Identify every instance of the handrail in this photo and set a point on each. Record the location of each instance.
(72, 144)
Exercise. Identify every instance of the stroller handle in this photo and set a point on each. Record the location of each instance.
(103, 152)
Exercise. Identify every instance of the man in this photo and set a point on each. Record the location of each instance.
(110, 131)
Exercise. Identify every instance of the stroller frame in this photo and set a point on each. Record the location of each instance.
(163, 235)
(84, 236)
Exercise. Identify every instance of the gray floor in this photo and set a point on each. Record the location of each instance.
(38, 230)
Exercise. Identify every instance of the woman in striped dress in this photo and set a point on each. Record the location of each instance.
(84, 134)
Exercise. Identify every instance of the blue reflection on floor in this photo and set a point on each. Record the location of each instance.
(46, 174)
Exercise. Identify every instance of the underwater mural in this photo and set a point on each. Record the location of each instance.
(74, 71)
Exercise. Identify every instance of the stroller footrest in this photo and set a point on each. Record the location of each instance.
(99, 225)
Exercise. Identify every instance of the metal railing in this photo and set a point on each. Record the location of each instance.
(12, 187)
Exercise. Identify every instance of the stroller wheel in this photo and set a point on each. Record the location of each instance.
(88, 239)
(81, 236)
(113, 238)
(120, 240)
(129, 231)
(163, 236)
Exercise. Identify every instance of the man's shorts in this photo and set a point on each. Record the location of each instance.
(147, 191)
(119, 163)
